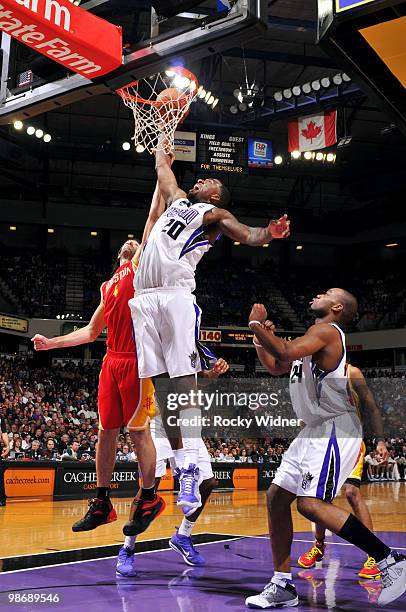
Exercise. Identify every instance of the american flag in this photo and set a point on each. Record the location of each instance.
(24, 78)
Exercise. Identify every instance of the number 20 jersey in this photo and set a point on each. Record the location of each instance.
(174, 248)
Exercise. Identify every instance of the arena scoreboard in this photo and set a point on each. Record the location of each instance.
(222, 153)
(13, 323)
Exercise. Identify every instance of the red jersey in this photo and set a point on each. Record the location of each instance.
(115, 295)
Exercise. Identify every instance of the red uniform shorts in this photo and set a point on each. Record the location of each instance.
(124, 398)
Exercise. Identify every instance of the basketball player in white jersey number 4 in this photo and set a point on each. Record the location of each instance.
(322, 457)
(165, 314)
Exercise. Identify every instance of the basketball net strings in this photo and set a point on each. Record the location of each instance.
(155, 126)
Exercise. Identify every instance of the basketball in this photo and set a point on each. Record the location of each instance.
(171, 101)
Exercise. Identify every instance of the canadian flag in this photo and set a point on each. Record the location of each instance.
(313, 132)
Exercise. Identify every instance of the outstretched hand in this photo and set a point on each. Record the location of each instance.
(279, 228)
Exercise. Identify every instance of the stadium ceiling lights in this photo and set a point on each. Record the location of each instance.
(246, 97)
(318, 156)
(207, 96)
(308, 88)
(31, 130)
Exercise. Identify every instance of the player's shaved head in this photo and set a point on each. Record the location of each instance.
(350, 305)
(339, 302)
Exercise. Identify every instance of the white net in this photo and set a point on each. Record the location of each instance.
(159, 104)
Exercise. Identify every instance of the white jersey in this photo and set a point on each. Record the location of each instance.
(318, 395)
(174, 248)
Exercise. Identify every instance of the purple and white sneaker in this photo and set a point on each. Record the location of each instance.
(126, 563)
(189, 495)
(184, 546)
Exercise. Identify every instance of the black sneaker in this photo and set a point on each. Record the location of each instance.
(100, 513)
(142, 514)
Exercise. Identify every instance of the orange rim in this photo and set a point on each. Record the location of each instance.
(125, 94)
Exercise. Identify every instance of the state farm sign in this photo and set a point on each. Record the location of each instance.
(65, 33)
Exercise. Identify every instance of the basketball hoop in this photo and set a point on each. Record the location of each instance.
(159, 103)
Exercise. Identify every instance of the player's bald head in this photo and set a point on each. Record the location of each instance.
(349, 305)
(338, 301)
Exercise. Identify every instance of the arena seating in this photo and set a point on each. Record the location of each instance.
(225, 291)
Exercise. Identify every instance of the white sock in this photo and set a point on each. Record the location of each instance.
(191, 435)
(186, 527)
(281, 578)
(129, 542)
(179, 456)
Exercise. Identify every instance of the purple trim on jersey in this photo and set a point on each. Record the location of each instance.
(205, 353)
(189, 246)
(319, 379)
(330, 471)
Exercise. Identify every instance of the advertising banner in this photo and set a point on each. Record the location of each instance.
(29, 482)
(77, 480)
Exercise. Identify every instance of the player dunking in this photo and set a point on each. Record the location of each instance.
(123, 398)
(364, 400)
(322, 457)
(166, 316)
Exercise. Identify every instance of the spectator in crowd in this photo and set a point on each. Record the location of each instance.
(124, 454)
(16, 450)
(71, 453)
(35, 452)
(50, 451)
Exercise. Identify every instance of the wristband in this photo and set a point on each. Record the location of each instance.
(256, 322)
(257, 344)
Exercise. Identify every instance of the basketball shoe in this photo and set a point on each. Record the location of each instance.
(100, 513)
(184, 546)
(142, 514)
(316, 554)
(393, 577)
(274, 596)
(369, 569)
(189, 495)
(126, 562)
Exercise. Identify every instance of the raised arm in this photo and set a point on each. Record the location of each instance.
(252, 236)
(86, 334)
(166, 179)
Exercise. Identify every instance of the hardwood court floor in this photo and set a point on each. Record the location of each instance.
(30, 527)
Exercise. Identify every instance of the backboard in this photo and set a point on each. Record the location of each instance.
(182, 32)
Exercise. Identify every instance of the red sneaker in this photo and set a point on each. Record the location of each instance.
(369, 569)
(142, 514)
(309, 559)
(100, 513)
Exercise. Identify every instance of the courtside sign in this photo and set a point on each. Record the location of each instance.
(65, 33)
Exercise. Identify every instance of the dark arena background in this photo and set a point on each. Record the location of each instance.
(300, 110)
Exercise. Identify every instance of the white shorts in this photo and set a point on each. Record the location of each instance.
(164, 452)
(166, 330)
(318, 462)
